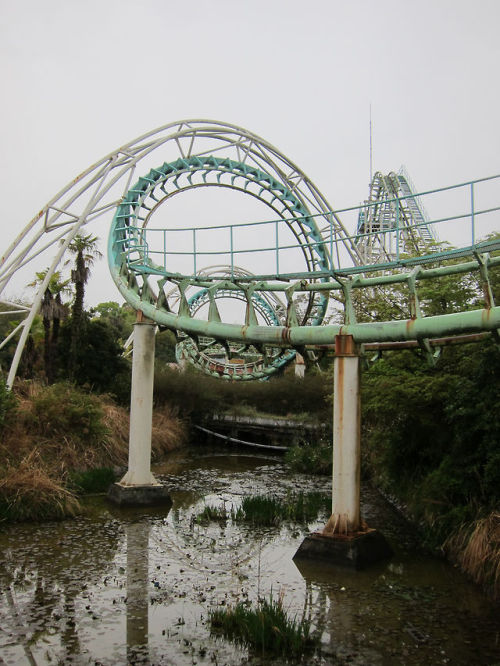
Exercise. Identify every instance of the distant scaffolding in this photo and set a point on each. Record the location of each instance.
(393, 221)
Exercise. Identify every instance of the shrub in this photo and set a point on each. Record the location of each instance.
(64, 411)
(195, 393)
(310, 458)
(92, 480)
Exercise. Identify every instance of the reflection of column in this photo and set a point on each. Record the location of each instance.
(346, 438)
(333, 612)
(137, 592)
(141, 406)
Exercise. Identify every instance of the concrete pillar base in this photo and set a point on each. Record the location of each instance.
(138, 495)
(357, 550)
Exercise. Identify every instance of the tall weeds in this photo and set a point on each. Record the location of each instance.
(29, 491)
(476, 548)
(267, 629)
(58, 433)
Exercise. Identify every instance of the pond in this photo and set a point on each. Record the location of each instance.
(131, 586)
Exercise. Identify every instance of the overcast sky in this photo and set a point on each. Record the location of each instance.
(80, 78)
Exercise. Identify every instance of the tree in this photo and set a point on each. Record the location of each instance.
(120, 317)
(99, 364)
(52, 310)
(85, 250)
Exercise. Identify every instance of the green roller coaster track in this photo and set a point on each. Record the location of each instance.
(292, 265)
(130, 258)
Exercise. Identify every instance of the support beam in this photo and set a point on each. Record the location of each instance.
(141, 407)
(346, 439)
(345, 541)
(139, 486)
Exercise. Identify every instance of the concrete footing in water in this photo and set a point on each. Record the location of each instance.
(356, 551)
(148, 495)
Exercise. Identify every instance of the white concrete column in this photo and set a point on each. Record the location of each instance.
(346, 438)
(141, 407)
(300, 366)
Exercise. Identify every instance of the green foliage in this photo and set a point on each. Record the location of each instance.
(198, 394)
(267, 510)
(120, 318)
(310, 458)
(98, 362)
(430, 435)
(64, 411)
(266, 629)
(165, 347)
(7, 403)
(213, 514)
(92, 480)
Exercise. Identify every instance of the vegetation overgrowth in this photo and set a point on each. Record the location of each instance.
(266, 629)
(270, 510)
(49, 454)
(197, 395)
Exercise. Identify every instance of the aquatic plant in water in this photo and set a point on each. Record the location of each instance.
(268, 510)
(213, 513)
(266, 629)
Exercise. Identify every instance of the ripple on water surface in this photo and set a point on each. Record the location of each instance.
(119, 586)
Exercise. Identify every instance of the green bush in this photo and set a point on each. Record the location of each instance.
(430, 434)
(310, 458)
(92, 480)
(64, 411)
(198, 394)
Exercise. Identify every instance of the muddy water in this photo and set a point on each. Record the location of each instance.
(136, 586)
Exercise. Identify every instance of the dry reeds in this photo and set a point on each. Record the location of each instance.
(476, 549)
(169, 431)
(58, 432)
(30, 491)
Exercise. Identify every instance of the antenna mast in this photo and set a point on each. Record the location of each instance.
(371, 147)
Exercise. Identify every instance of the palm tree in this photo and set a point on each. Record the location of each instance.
(52, 310)
(85, 250)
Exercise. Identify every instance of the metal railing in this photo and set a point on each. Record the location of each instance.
(150, 250)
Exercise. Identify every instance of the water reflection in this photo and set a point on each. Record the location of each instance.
(45, 574)
(124, 586)
(137, 591)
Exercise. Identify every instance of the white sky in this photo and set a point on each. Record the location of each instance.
(80, 78)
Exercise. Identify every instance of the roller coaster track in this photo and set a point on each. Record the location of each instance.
(394, 216)
(284, 269)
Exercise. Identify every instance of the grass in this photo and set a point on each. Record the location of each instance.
(29, 491)
(476, 548)
(92, 480)
(59, 441)
(266, 629)
(213, 513)
(267, 510)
